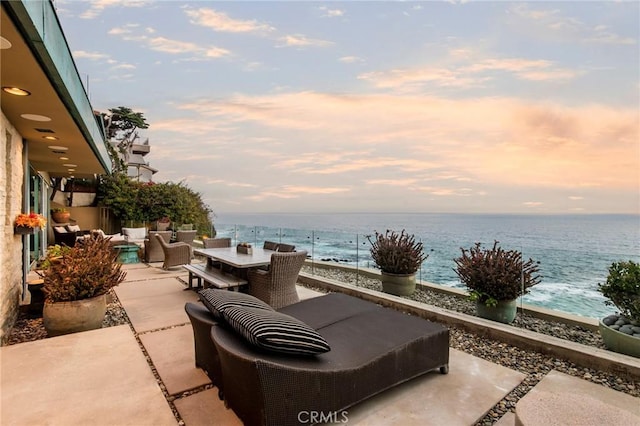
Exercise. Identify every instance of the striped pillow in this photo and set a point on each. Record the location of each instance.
(218, 300)
(275, 331)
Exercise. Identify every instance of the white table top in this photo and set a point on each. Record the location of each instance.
(230, 256)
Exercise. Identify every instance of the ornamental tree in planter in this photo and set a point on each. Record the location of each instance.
(399, 256)
(76, 284)
(495, 278)
(621, 332)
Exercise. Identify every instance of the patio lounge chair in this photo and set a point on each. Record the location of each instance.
(372, 349)
(152, 249)
(175, 254)
(277, 286)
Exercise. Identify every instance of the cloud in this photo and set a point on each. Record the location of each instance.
(475, 74)
(331, 13)
(552, 22)
(351, 59)
(221, 22)
(299, 40)
(483, 141)
(291, 192)
(166, 45)
(93, 56)
(98, 6)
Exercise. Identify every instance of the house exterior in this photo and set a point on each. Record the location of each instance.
(48, 130)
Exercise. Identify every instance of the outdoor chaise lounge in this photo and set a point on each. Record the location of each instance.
(371, 349)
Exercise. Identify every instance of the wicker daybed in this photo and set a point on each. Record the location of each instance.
(372, 349)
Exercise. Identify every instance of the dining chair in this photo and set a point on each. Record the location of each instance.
(286, 248)
(186, 236)
(277, 286)
(270, 245)
(216, 242)
(175, 254)
(152, 249)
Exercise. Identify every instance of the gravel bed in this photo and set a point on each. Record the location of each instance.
(29, 327)
(533, 364)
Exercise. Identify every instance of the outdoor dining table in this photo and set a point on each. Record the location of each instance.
(230, 256)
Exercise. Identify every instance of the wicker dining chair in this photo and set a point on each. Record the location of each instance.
(270, 245)
(216, 242)
(186, 236)
(175, 254)
(286, 248)
(153, 251)
(277, 286)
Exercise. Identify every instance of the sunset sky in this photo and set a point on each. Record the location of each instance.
(376, 106)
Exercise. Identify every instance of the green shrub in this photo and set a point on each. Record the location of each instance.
(623, 288)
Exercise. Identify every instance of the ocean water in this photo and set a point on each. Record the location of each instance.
(574, 251)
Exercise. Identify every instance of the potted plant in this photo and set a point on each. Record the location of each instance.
(163, 223)
(28, 223)
(399, 256)
(60, 215)
(75, 286)
(621, 332)
(495, 278)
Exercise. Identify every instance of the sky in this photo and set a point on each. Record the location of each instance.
(462, 107)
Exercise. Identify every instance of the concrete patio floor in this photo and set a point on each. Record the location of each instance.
(102, 377)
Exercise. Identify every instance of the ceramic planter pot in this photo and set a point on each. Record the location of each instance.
(61, 217)
(399, 284)
(504, 312)
(78, 315)
(617, 341)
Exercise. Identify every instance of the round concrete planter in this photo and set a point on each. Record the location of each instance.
(399, 284)
(78, 315)
(504, 312)
(617, 341)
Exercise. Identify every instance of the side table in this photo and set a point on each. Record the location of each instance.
(127, 253)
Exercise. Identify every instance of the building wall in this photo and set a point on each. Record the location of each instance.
(11, 180)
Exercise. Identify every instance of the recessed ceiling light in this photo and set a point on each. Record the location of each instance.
(72, 176)
(51, 138)
(70, 165)
(4, 43)
(16, 91)
(72, 170)
(35, 117)
(58, 148)
(64, 158)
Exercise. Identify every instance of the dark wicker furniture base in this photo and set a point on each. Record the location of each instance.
(372, 349)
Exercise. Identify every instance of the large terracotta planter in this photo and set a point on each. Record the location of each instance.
(617, 341)
(504, 312)
(61, 217)
(78, 315)
(399, 284)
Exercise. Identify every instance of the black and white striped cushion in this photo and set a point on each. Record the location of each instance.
(275, 331)
(218, 300)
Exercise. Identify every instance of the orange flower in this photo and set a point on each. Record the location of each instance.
(31, 220)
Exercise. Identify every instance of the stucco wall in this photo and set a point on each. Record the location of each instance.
(11, 179)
